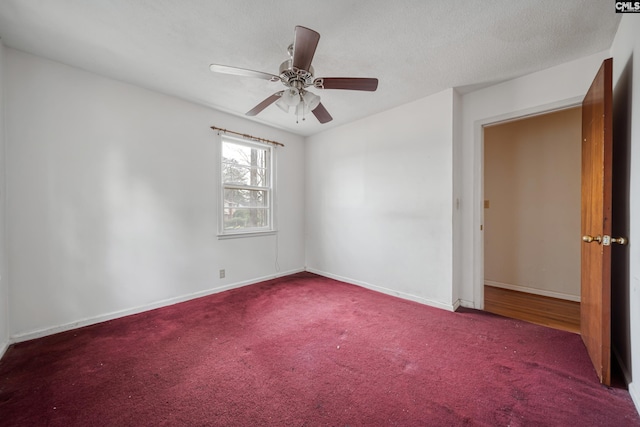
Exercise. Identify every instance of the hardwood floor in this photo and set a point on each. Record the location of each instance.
(546, 311)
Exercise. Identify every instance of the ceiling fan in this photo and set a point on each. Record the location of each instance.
(296, 74)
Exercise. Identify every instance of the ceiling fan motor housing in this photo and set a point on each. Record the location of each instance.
(293, 77)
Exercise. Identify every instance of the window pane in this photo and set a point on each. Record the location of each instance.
(245, 198)
(239, 218)
(244, 175)
(244, 155)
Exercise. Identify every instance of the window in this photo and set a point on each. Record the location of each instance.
(247, 187)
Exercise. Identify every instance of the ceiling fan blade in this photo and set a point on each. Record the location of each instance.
(305, 42)
(322, 114)
(225, 69)
(348, 83)
(264, 104)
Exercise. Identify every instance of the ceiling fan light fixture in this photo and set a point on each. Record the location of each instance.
(282, 105)
(311, 100)
(291, 97)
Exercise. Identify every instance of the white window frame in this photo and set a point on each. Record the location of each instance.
(270, 228)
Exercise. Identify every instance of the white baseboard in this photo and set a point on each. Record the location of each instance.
(403, 295)
(26, 336)
(465, 304)
(534, 291)
(635, 395)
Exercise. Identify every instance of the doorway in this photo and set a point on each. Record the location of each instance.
(532, 171)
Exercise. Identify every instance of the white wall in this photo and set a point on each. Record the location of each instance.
(379, 201)
(546, 90)
(112, 204)
(626, 75)
(4, 286)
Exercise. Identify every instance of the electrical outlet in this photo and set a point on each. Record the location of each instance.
(222, 273)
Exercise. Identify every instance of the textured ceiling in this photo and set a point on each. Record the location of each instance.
(414, 47)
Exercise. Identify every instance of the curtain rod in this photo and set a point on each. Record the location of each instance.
(247, 136)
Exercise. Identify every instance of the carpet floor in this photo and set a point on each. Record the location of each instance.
(304, 350)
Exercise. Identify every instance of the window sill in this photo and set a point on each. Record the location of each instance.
(247, 234)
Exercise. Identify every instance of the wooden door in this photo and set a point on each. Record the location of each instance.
(597, 150)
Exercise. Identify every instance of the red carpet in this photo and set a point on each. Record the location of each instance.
(307, 351)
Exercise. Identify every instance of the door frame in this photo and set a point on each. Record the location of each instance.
(478, 187)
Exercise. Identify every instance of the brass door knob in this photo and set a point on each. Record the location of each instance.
(589, 239)
(605, 240)
(619, 240)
